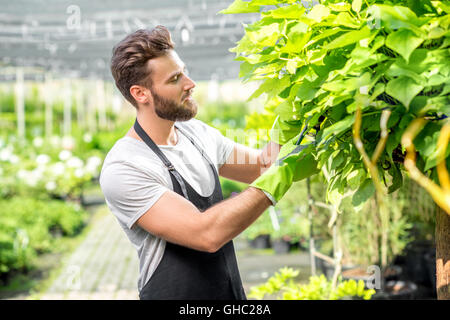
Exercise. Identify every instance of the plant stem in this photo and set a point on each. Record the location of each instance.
(371, 166)
(440, 195)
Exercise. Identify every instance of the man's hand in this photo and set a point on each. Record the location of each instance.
(294, 163)
(245, 164)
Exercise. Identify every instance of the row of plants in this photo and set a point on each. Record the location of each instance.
(56, 167)
(30, 227)
(42, 181)
(36, 118)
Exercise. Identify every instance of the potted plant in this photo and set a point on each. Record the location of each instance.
(282, 286)
(292, 228)
(258, 234)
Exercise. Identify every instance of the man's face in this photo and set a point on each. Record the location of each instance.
(172, 88)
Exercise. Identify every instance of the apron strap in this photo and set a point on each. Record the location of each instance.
(203, 153)
(144, 136)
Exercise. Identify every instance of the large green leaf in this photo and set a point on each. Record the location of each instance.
(240, 6)
(286, 110)
(322, 35)
(355, 178)
(318, 12)
(341, 6)
(307, 90)
(265, 36)
(364, 193)
(296, 42)
(271, 86)
(397, 178)
(349, 38)
(404, 89)
(403, 41)
(345, 19)
(356, 5)
(338, 127)
(289, 12)
(394, 17)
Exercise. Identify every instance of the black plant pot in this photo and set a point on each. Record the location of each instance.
(430, 263)
(261, 242)
(281, 246)
(416, 265)
(397, 290)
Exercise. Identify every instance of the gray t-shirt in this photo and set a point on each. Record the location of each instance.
(133, 178)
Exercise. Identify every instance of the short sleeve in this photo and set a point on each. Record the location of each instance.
(130, 192)
(224, 145)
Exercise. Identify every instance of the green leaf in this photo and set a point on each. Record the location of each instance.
(291, 66)
(398, 70)
(391, 144)
(421, 7)
(296, 42)
(432, 161)
(345, 19)
(307, 91)
(377, 90)
(240, 6)
(338, 127)
(245, 69)
(394, 17)
(436, 80)
(341, 6)
(243, 45)
(318, 12)
(397, 178)
(404, 89)
(265, 36)
(265, 2)
(298, 27)
(349, 38)
(356, 5)
(403, 41)
(337, 159)
(364, 193)
(355, 177)
(285, 110)
(288, 12)
(271, 86)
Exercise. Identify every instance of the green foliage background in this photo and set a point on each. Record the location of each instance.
(319, 63)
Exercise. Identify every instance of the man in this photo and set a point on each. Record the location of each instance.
(161, 179)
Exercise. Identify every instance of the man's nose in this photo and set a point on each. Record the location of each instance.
(190, 84)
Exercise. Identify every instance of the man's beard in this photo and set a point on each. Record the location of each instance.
(170, 110)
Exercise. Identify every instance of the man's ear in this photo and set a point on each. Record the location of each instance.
(140, 94)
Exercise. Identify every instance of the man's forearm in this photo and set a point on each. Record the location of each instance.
(230, 217)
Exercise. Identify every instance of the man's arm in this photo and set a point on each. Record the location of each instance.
(177, 220)
(246, 164)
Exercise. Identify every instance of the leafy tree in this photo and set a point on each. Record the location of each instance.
(357, 74)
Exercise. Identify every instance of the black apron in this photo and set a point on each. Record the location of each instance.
(188, 274)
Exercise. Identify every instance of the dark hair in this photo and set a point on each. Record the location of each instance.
(130, 56)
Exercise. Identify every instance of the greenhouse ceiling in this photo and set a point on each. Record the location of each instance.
(74, 38)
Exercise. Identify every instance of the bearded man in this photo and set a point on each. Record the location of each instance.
(161, 180)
